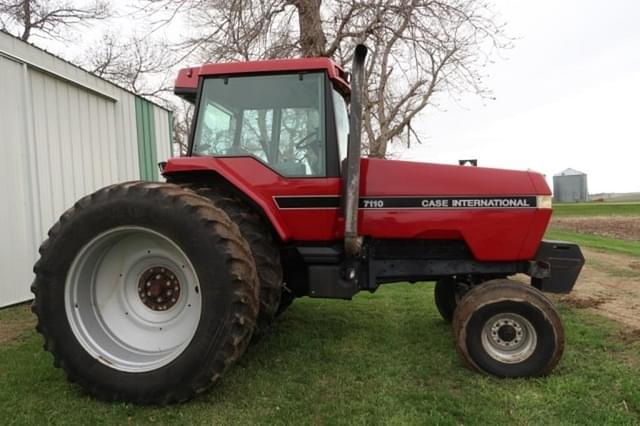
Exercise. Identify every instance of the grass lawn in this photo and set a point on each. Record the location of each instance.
(596, 209)
(385, 358)
(628, 247)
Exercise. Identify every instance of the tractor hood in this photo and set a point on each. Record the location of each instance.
(407, 178)
(403, 199)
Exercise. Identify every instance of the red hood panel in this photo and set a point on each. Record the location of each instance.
(404, 178)
(492, 234)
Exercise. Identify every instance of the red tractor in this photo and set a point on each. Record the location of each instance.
(147, 292)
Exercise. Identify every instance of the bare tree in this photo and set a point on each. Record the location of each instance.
(182, 117)
(48, 18)
(141, 65)
(419, 48)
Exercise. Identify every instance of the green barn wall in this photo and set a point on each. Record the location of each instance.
(145, 126)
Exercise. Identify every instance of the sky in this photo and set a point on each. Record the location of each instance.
(567, 95)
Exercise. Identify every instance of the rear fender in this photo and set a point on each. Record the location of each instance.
(194, 169)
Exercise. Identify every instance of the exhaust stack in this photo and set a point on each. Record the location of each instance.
(352, 242)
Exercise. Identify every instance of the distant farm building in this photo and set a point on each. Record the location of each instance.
(570, 186)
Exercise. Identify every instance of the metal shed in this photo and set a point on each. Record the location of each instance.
(63, 134)
(570, 186)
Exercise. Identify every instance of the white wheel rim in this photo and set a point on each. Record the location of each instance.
(509, 338)
(110, 314)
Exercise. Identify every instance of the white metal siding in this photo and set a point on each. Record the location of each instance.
(75, 144)
(63, 134)
(17, 249)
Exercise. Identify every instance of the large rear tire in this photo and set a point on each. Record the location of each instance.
(263, 247)
(145, 293)
(508, 330)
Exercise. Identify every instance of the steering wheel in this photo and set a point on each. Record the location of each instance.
(305, 142)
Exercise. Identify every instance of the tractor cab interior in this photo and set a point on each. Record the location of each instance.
(279, 119)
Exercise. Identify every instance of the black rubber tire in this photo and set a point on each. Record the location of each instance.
(499, 296)
(222, 262)
(444, 293)
(263, 247)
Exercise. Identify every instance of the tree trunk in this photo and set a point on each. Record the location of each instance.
(378, 148)
(312, 38)
(26, 9)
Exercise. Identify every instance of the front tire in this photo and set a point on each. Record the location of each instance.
(444, 294)
(508, 330)
(145, 293)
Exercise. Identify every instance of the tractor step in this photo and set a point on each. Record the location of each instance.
(328, 276)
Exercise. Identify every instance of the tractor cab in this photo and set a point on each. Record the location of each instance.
(295, 122)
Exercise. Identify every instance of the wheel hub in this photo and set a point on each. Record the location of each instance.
(507, 333)
(509, 338)
(159, 288)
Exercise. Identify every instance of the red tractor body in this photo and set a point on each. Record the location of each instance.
(274, 134)
(493, 211)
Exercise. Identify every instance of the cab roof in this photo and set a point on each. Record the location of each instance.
(187, 82)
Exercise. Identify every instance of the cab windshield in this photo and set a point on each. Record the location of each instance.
(277, 119)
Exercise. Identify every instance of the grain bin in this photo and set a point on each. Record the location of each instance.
(570, 186)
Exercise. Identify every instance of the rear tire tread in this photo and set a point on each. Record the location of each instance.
(263, 248)
(239, 262)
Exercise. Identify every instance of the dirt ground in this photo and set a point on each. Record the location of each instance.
(609, 285)
(14, 322)
(621, 227)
